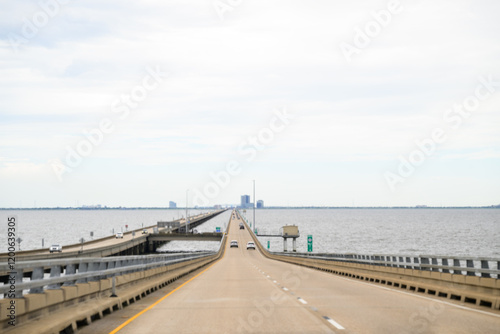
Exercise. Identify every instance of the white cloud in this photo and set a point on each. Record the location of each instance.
(227, 76)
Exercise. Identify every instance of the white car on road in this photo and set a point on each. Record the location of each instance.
(119, 235)
(55, 248)
(250, 245)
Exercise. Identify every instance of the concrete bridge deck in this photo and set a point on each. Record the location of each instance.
(248, 292)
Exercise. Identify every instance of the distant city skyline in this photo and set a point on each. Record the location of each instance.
(324, 104)
(245, 201)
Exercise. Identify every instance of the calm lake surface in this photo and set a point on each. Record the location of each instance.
(451, 232)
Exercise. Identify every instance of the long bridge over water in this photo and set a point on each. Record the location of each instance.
(236, 290)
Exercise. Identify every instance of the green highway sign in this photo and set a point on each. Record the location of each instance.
(309, 243)
(268, 244)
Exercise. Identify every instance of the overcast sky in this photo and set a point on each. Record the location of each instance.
(324, 103)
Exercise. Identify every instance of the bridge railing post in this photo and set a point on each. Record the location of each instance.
(434, 262)
(82, 268)
(93, 267)
(70, 270)
(485, 265)
(55, 271)
(111, 265)
(456, 263)
(425, 261)
(416, 264)
(445, 264)
(102, 267)
(19, 280)
(136, 261)
(37, 274)
(470, 264)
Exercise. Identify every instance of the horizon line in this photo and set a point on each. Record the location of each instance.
(250, 208)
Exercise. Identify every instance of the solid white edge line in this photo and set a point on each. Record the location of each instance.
(334, 323)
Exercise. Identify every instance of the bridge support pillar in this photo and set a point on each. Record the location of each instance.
(294, 244)
(284, 245)
(113, 287)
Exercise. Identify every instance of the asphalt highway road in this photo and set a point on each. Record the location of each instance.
(244, 292)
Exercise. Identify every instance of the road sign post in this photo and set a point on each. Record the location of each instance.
(309, 243)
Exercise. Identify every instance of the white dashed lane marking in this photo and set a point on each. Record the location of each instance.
(330, 320)
(333, 322)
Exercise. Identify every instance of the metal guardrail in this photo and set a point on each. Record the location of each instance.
(472, 266)
(69, 271)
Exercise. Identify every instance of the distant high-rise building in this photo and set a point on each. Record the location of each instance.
(260, 204)
(172, 205)
(245, 201)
